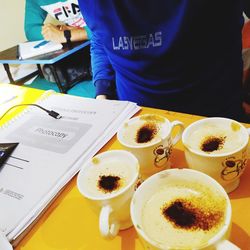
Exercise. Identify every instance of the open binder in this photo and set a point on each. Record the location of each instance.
(50, 152)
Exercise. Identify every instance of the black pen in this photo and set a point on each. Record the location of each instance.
(18, 52)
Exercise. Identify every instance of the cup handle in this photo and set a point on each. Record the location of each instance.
(248, 130)
(179, 134)
(225, 244)
(107, 230)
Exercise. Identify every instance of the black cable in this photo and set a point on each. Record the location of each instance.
(52, 113)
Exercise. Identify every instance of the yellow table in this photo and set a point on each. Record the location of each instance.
(69, 223)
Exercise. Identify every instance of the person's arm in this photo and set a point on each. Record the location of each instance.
(77, 33)
(55, 33)
(102, 70)
(33, 22)
(246, 6)
(103, 73)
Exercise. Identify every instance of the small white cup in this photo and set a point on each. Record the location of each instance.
(149, 137)
(218, 147)
(108, 181)
(182, 209)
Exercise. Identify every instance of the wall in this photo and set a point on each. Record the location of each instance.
(12, 23)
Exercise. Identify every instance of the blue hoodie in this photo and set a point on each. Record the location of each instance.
(182, 55)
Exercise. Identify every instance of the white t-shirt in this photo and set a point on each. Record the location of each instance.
(67, 12)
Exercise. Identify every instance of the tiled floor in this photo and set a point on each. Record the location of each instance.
(17, 71)
(84, 89)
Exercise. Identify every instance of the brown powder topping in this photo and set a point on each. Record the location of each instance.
(185, 215)
(212, 143)
(146, 133)
(108, 183)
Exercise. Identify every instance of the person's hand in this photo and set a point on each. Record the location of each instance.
(101, 97)
(53, 33)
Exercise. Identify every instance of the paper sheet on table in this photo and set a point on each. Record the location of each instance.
(51, 151)
(29, 49)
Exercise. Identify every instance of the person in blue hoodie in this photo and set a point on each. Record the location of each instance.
(178, 55)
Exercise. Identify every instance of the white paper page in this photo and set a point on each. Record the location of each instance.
(29, 49)
(130, 110)
(48, 149)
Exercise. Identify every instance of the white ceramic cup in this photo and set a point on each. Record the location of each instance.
(182, 209)
(218, 147)
(108, 182)
(150, 138)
